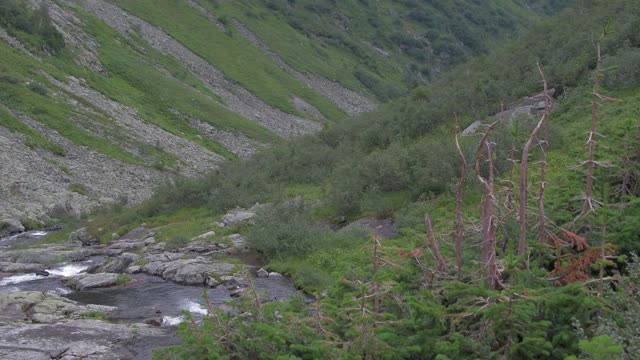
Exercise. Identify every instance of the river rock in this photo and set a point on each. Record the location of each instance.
(115, 265)
(49, 254)
(262, 273)
(42, 307)
(135, 233)
(238, 241)
(154, 321)
(10, 227)
(239, 215)
(202, 246)
(134, 269)
(77, 339)
(275, 275)
(212, 282)
(205, 236)
(87, 281)
(187, 271)
(8, 267)
(83, 236)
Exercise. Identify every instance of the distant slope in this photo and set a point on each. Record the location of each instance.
(102, 100)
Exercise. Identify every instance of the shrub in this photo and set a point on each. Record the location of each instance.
(37, 88)
(177, 242)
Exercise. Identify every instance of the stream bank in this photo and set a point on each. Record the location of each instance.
(115, 301)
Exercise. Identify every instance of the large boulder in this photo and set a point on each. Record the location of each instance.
(10, 227)
(187, 271)
(117, 265)
(48, 254)
(9, 267)
(239, 215)
(83, 236)
(40, 307)
(88, 281)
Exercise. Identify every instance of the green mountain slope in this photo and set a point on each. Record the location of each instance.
(165, 88)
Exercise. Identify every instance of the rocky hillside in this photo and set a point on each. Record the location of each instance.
(102, 100)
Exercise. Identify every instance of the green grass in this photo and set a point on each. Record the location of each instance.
(32, 138)
(134, 81)
(78, 189)
(97, 315)
(123, 279)
(232, 54)
(52, 112)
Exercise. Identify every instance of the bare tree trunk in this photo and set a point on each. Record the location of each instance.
(459, 217)
(588, 205)
(488, 246)
(544, 142)
(433, 244)
(524, 180)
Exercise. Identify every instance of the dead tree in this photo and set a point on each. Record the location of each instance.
(488, 245)
(524, 177)
(433, 245)
(459, 218)
(544, 142)
(589, 204)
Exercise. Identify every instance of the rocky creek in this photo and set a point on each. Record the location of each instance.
(87, 300)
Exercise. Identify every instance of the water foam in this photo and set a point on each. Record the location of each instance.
(168, 321)
(68, 270)
(64, 271)
(17, 279)
(196, 308)
(60, 291)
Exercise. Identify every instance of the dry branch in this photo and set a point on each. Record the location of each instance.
(459, 217)
(488, 245)
(433, 245)
(524, 177)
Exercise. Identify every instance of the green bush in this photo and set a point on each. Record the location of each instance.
(37, 88)
(177, 242)
(32, 26)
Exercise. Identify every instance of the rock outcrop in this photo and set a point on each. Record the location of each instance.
(38, 326)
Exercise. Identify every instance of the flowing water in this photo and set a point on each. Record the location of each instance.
(143, 297)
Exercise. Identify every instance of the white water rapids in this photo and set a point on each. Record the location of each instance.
(66, 270)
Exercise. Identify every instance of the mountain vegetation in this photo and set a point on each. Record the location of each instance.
(517, 241)
(145, 86)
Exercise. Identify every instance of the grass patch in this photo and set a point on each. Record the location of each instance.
(78, 189)
(97, 315)
(266, 80)
(123, 279)
(32, 138)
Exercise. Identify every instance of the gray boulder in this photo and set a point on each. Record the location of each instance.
(205, 236)
(117, 265)
(187, 271)
(262, 273)
(83, 236)
(42, 307)
(238, 241)
(88, 281)
(10, 227)
(8, 267)
(239, 215)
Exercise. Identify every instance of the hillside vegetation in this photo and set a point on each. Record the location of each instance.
(155, 89)
(570, 296)
(566, 289)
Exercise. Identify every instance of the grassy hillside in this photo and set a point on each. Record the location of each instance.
(390, 298)
(383, 47)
